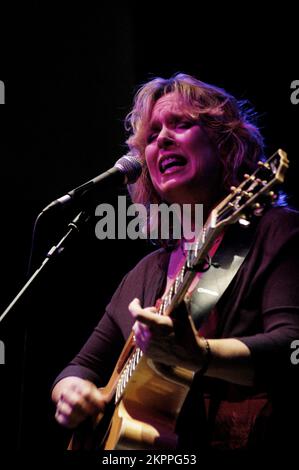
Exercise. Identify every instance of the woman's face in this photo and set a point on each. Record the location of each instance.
(182, 159)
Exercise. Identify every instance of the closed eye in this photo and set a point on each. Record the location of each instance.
(185, 124)
(177, 125)
(151, 137)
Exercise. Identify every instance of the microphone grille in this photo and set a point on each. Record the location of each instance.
(130, 166)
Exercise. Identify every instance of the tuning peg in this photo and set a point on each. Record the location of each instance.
(272, 195)
(258, 209)
(263, 164)
(247, 176)
(235, 190)
(245, 193)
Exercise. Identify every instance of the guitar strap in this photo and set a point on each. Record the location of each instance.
(223, 267)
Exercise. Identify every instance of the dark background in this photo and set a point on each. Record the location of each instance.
(70, 73)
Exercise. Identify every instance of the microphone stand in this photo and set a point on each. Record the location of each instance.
(74, 228)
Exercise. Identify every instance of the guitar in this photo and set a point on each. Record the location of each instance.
(145, 397)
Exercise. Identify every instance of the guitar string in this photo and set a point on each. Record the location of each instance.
(133, 361)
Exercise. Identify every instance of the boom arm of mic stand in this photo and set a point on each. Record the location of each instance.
(74, 228)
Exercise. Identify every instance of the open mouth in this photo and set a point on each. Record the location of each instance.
(171, 162)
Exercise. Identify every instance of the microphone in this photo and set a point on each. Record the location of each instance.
(125, 171)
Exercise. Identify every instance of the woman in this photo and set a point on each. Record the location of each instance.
(195, 141)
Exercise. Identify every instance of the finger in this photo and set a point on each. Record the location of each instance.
(67, 416)
(64, 408)
(150, 318)
(68, 420)
(73, 409)
(142, 335)
(158, 325)
(61, 419)
(140, 329)
(135, 306)
(80, 402)
(136, 309)
(98, 400)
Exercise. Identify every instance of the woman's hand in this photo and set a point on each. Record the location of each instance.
(76, 399)
(170, 341)
(175, 341)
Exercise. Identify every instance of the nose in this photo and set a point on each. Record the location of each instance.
(165, 138)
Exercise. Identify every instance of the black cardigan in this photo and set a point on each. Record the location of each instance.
(260, 307)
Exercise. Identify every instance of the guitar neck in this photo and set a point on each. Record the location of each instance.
(196, 261)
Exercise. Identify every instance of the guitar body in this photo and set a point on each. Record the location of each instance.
(145, 417)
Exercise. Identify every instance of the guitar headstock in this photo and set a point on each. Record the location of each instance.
(254, 194)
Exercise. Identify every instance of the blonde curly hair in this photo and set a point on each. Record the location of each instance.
(239, 142)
